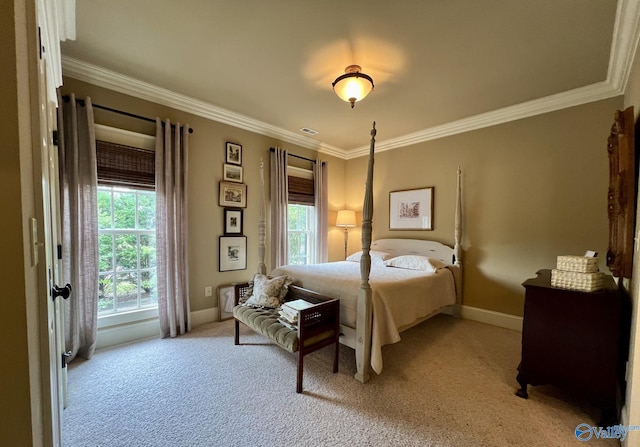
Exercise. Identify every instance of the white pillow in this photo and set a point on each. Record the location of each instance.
(377, 257)
(415, 262)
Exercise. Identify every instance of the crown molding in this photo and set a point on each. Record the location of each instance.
(626, 34)
(83, 71)
(575, 97)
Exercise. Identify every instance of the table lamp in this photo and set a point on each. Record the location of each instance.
(346, 219)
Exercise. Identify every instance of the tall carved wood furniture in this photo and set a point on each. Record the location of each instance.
(576, 340)
(622, 194)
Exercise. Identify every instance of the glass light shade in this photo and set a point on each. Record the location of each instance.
(353, 86)
(346, 219)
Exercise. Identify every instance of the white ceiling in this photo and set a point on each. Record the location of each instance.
(439, 66)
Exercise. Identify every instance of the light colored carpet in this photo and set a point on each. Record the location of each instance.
(447, 383)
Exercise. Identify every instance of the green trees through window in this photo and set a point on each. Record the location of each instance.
(301, 233)
(127, 250)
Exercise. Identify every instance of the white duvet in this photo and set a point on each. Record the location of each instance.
(400, 296)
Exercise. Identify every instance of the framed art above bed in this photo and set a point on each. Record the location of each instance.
(411, 209)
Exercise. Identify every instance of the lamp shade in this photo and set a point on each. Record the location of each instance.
(346, 219)
(353, 86)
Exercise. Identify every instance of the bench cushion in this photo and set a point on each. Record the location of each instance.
(265, 322)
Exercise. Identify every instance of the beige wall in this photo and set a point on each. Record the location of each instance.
(21, 414)
(532, 189)
(206, 157)
(15, 425)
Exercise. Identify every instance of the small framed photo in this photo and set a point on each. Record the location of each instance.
(234, 153)
(232, 221)
(233, 253)
(226, 301)
(411, 209)
(232, 173)
(233, 195)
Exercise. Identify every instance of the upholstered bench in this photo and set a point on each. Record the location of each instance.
(318, 325)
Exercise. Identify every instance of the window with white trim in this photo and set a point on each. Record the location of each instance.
(301, 230)
(127, 250)
(301, 216)
(127, 288)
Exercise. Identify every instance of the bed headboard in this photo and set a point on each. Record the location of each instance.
(432, 249)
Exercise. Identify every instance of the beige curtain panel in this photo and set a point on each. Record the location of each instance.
(320, 177)
(78, 212)
(171, 228)
(279, 202)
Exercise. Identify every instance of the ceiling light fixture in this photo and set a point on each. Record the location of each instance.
(353, 85)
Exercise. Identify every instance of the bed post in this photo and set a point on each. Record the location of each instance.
(457, 248)
(365, 311)
(262, 268)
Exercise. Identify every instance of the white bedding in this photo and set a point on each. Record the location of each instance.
(400, 296)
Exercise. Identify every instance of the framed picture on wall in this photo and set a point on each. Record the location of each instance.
(232, 221)
(226, 301)
(233, 195)
(232, 173)
(234, 153)
(233, 253)
(411, 209)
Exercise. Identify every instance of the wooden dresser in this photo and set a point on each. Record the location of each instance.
(576, 340)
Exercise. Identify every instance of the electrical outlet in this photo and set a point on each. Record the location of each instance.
(208, 291)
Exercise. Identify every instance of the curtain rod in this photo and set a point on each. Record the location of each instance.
(67, 98)
(296, 156)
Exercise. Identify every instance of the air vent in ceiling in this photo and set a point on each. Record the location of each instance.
(309, 131)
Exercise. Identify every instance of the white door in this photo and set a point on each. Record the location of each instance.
(60, 291)
(54, 296)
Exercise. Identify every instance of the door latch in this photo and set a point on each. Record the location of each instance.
(65, 357)
(64, 292)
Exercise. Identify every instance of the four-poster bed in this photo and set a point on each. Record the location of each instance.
(377, 302)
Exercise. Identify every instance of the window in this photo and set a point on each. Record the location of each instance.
(127, 250)
(301, 223)
(301, 220)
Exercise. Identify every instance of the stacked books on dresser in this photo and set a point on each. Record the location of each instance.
(577, 273)
(289, 312)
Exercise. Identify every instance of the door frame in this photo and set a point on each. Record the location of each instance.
(46, 417)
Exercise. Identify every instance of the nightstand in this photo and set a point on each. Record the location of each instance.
(576, 340)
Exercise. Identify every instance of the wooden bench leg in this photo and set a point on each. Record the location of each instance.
(237, 332)
(335, 357)
(300, 369)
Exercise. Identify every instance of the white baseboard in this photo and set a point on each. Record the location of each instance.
(491, 317)
(125, 333)
(204, 316)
